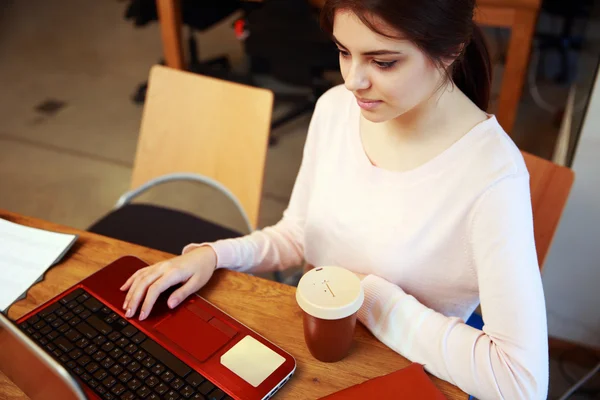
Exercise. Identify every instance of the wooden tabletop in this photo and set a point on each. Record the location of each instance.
(267, 307)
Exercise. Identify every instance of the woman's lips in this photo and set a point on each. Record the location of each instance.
(368, 104)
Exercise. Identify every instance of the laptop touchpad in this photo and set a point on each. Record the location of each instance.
(193, 334)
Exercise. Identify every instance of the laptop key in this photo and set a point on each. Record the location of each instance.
(67, 316)
(187, 391)
(63, 344)
(127, 396)
(134, 366)
(109, 382)
(72, 296)
(107, 362)
(161, 389)
(99, 356)
(116, 369)
(116, 353)
(140, 355)
(64, 328)
(148, 362)
(134, 384)
(152, 381)
(72, 335)
(86, 377)
(138, 338)
(143, 392)
(39, 325)
(125, 359)
(75, 354)
(125, 377)
(74, 321)
(99, 325)
(33, 320)
(46, 330)
(153, 396)
(118, 389)
(48, 310)
(57, 323)
(87, 330)
(129, 331)
(50, 318)
(216, 394)
(114, 336)
(171, 395)
(142, 373)
(195, 379)
(92, 383)
(61, 311)
(177, 383)
(108, 346)
(91, 349)
(100, 374)
(79, 309)
(166, 358)
(85, 314)
(93, 304)
(83, 361)
(83, 297)
(123, 342)
(92, 367)
(53, 335)
(167, 376)
(72, 305)
(99, 340)
(206, 388)
(131, 348)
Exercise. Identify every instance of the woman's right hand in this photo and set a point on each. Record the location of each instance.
(194, 268)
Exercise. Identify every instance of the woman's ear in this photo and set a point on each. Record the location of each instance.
(448, 61)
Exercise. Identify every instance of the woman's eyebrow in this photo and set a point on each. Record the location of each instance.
(369, 53)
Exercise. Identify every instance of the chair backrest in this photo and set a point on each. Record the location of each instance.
(196, 124)
(550, 186)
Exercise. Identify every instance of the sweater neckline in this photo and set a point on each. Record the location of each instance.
(431, 166)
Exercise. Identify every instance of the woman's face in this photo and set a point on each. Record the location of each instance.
(388, 77)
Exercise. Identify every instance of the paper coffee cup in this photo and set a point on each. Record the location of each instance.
(330, 298)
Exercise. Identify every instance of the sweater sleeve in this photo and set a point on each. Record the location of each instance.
(280, 246)
(508, 359)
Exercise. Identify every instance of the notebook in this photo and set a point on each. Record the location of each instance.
(408, 383)
(25, 255)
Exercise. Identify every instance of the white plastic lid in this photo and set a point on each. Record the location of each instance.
(330, 293)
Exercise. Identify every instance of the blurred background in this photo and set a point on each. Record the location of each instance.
(72, 86)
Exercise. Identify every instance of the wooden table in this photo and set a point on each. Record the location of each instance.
(267, 307)
(518, 15)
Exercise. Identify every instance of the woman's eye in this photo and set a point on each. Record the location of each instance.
(344, 53)
(385, 64)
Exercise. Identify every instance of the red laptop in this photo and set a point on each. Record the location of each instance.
(195, 351)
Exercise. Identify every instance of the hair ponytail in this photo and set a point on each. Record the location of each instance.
(472, 71)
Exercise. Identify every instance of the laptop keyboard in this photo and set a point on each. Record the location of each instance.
(112, 356)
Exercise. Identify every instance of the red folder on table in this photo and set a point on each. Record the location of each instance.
(408, 383)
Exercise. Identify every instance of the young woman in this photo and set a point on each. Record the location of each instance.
(409, 183)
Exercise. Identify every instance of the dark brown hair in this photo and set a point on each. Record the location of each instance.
(442, 29)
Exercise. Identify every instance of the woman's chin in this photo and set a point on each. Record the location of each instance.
(375, 116)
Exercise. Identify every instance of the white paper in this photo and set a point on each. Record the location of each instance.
(25, 255)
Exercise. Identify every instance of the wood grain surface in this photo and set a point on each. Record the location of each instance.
(267, 307)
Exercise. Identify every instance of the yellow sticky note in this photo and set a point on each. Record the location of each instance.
(251, 360)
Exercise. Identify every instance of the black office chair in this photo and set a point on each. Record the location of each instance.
(567, 40)
(286, 42)
(197, 16)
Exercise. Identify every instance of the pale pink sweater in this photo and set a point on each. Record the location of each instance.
(435, 241)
